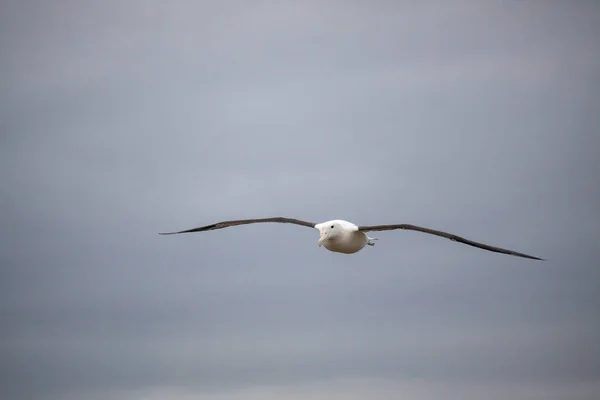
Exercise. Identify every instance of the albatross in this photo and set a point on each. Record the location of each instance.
(345, 237)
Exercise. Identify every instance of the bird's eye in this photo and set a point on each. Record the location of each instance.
(331, 226)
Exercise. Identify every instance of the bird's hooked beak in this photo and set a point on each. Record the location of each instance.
(324, 236)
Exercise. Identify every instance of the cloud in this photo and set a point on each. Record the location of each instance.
(365, 388)
(123, 120)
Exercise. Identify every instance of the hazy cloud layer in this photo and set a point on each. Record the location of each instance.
(123, 119)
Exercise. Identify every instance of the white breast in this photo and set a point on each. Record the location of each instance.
(348, 243)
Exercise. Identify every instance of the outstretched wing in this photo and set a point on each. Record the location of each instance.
(226, 224)
(446, 235)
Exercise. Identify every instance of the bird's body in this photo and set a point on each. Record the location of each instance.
(342, 236)
(345, 237)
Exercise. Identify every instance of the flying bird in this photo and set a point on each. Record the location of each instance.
(344, 237)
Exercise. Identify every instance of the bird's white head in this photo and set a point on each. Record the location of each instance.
(327, 230)
(333, 230)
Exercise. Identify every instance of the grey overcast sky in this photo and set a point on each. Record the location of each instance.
(122, 119)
